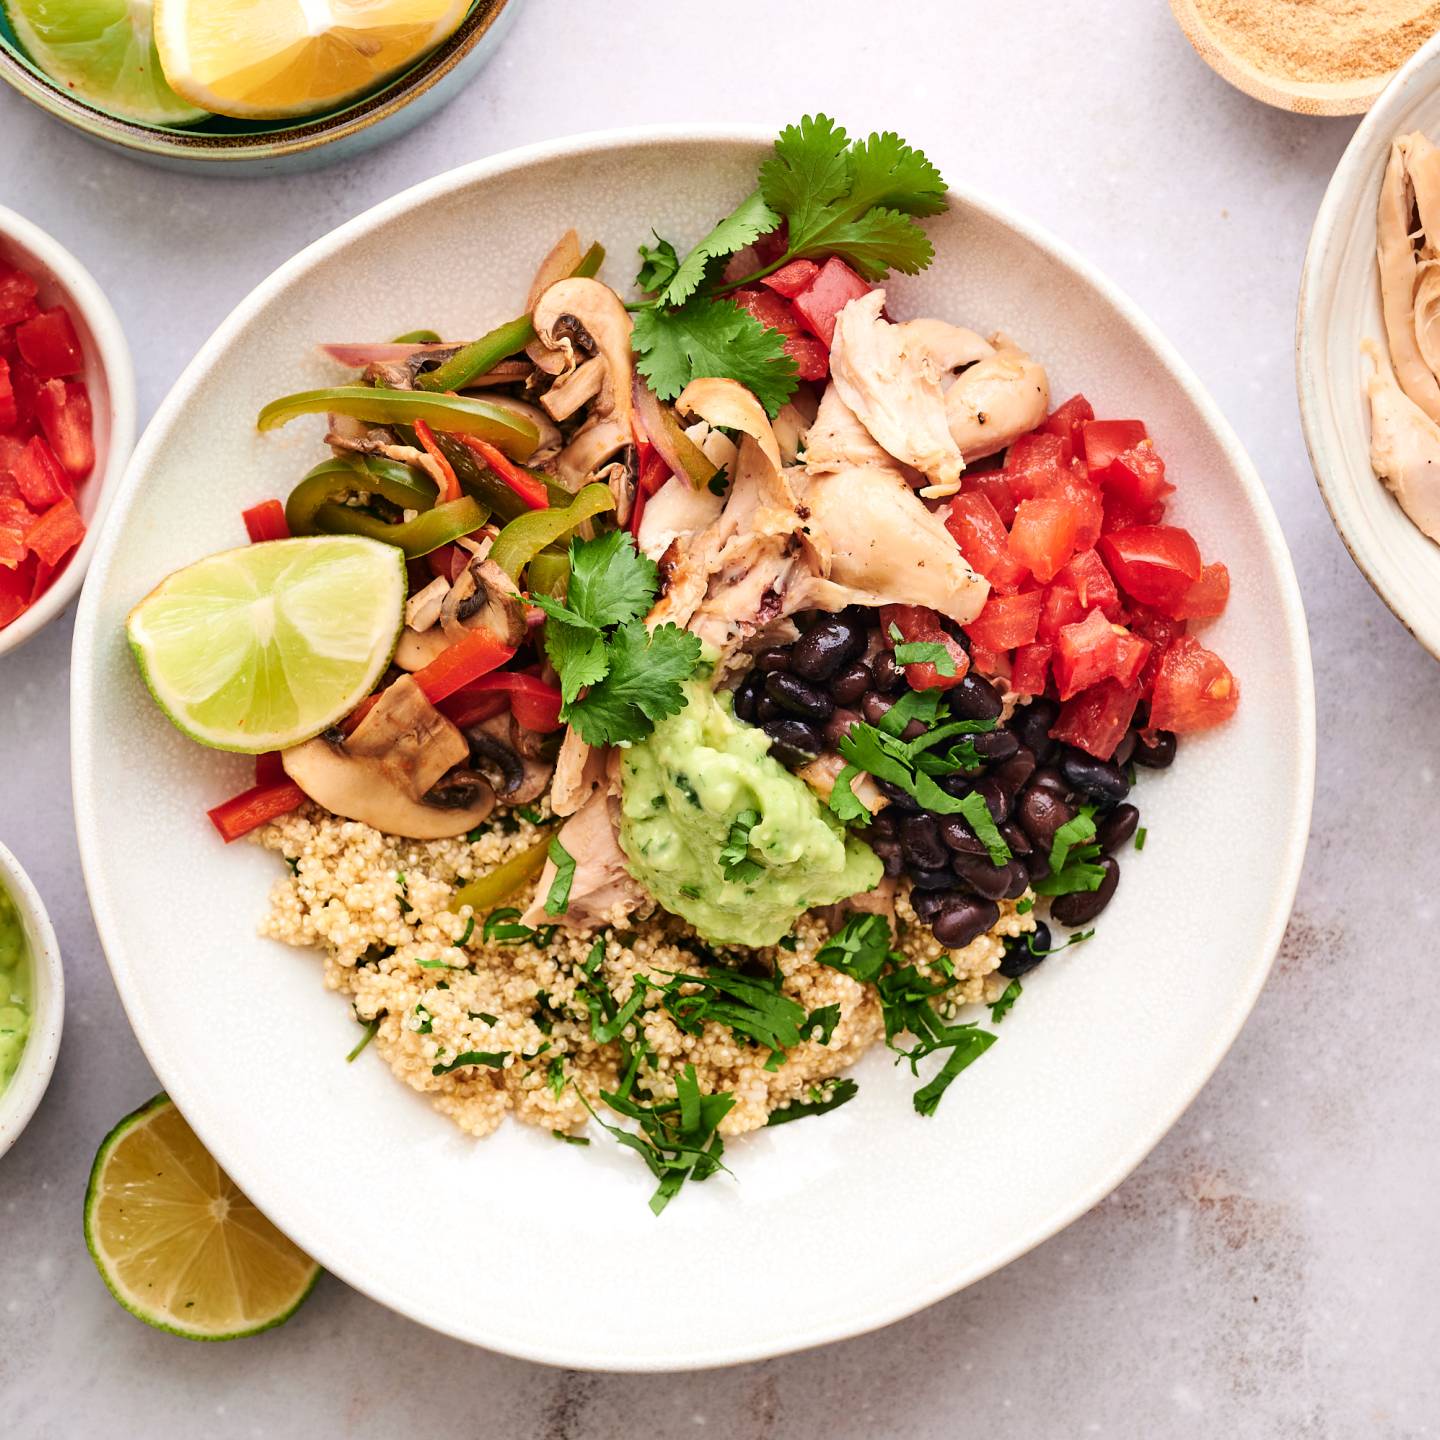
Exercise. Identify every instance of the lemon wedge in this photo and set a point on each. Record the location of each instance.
(277, 59)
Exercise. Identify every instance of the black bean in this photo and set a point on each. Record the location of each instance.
(767, 709)
(959, 785)
(851, 683)
(826, 647)
(1099, 779)
(888, 675)
(884, 826)
(890, 856)
(913, 730)
(1032, 724)
(1049, 779)
(838, 726)
(1037, 863)
(873, 706)
(798, 696)
(747, 693)
(998, 800)
(996, 746)
(960, 837)
(898, 799)
(793, 742)
(1021, 955)
(1016, 838)
(1015, 772)
(1155, 752)
(927, 904)
(1124, 750)
(1116, 827)
(924, 879)
(1041, 814)
(963, 920)
(995, 882)
(974, 698)
(768, 660)
(1081, 907)
(921, 843)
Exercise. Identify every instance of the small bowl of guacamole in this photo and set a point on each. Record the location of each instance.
(32, 999)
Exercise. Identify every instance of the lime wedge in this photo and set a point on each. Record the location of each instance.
(262, 648)
(179, 1246)
(103, 52)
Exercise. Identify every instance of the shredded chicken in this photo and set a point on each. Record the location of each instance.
(1412, 182)
(1404, 447)
(997, 400)
(601, 882)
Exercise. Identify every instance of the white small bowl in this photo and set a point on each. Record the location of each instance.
(1339, 307)
(110, 378)
(37, 1061)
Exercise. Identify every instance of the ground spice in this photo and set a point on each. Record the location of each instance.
(1322, 40)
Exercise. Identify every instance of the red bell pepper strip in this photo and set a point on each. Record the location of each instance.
(536, 705)
(63, 409)
(470, 707)
(450, 488)
(58, 531)
(254, 808)
(637, 514)
(270, 769)
(39, 475)
(266, 521)
(9, 410)
(464, 662)
(653, 473)
(529, 489)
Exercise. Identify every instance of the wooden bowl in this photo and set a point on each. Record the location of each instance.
(1303, 97)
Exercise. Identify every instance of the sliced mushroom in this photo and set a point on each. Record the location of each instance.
(577, 388)
(354, 436)
(383, 774)
(498, 749)
(483, 597)
(507, 372)
(560, 263)
(588, 310)
(550, 437)
(422, 609)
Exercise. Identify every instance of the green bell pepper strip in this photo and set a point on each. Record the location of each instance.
(486, 891)
(517, 437)
(417, 337)
(549, 574)
(527, 535)
(489, 350)
(315, 508)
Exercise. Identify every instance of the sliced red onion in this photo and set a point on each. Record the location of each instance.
(662, 429)
(362, 354)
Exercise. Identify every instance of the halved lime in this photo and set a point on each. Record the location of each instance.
(103, 52)
(179, 1246)
(261, 648)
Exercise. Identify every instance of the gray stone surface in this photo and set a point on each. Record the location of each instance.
(1272, 1269)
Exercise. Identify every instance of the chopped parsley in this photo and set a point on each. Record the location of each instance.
(753, 1009)
(820, 1023)
(557, 901)
(617, 679)
(1140, 835)
(1001, 1008)
(401, 886)
(365, 1039)
(922, 652)
(530, 813)
(495, 1059)
(734, 856)
(555, 1077)
(570, 1139)
(608, 1018)
(1074, 857)
(426, 1019)
(467, 933)
(827, 1095)
(500, 927)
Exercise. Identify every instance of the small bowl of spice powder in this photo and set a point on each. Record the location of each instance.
(1316, 57)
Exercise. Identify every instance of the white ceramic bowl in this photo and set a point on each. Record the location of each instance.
(37, 1060)
(832, 1226)
(111, 382)
(1340, 307)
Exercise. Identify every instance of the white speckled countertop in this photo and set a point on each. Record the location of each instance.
(1272, 1269)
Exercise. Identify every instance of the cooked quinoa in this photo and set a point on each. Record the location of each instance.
(377, 908)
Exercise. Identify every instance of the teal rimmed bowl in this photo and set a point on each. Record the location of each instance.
(252, 147)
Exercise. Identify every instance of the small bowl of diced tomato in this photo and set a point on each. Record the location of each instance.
(67, 424)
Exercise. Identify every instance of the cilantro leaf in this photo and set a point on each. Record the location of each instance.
(1074, 857)
(844, 803)
(888, 173)
(750, 219)
(576, 650)
(610, 581)
(754, 1009)
(859, 948)
(712, 337)
(827, 1095)
(926, 652)
(823, 1018)
(807, 173)
(495, 1059)
(1001, 1008)
(734, 855)
(658, 264)
(977, 816)
(557, 901)
(642, 684)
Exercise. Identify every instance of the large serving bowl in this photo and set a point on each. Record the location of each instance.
(1340, 307)
(833, 1226)
(219, 144)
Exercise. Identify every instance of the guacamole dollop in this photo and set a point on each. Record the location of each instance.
(683, 789)
(15, 984)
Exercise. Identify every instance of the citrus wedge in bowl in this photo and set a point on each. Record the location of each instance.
(276, 59)
(177, 1243)
(102, 51)
(261, 648)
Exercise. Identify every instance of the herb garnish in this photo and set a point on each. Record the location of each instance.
(734, 856)
(1140, 835)
(1001, 1008)
(558, 899)
(530, 813)
(1074, 857)
(495, 1059)
(500, 927)
(365, 1039)
(921, 652)
(617, 679)
(608, 1018)
(834, 197)
(827, 1095)
(754, 1009)
(570, 1139)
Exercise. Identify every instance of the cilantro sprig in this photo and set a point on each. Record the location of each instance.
(617, 679)
(859, 200)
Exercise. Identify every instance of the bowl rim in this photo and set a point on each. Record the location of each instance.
(300, 137)
(1288, 867)
(113, 352)
(21, 1098)
(1312, 382)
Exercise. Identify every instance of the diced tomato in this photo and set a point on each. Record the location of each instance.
(38, 474)
(49, 345)
(1085, 654)
(266, 521)
(1096, 720)
(26, 389)
(1007, 620)
(9, 410)
(1102, 440)
(1043, 536)
(57, 532)
(270, 769)
(17, 297)
(466, 660)
(811, 356)
(919, 625)
(993, 485)
(1155, 564)
(1136, 478)
(1131, 654)
(826, 296)
(63, 409)
(789, 280)
(1065, 420)
(11, 449)
(1159, 630)
(1208, 596)
(525, 485)
(1035, 466)
(1087, 576)
(16, 518)
(1028, 667)
(1061, 607)
(254, 808)
(981, 536)
(984, 661)
(534, 704)
(1194, 689)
